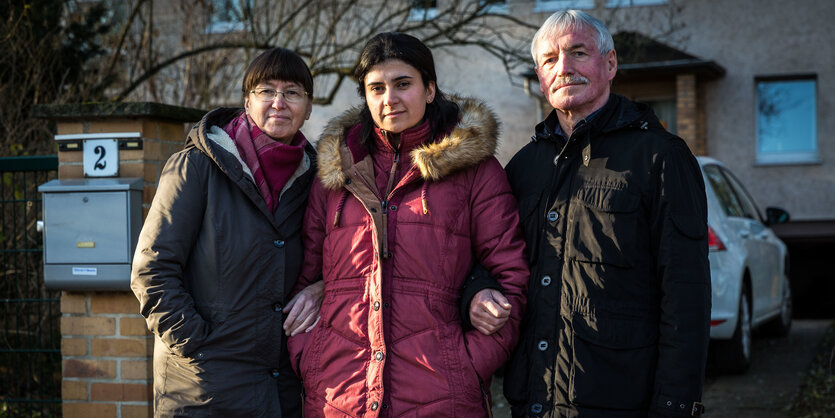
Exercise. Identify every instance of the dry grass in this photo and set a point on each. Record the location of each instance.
(817, 395)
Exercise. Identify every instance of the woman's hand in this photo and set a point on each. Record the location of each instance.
(489, 311)
(303, 309)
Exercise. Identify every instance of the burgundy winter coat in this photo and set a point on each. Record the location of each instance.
(390, 340)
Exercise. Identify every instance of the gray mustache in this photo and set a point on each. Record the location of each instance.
(570, 79)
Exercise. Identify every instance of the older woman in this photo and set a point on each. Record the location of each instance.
(409, 196)
(221, 250)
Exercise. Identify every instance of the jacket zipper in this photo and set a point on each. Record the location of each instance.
(385, 202)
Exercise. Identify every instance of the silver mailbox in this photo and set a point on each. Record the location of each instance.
(90, 231)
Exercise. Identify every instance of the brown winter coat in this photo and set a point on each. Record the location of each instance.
(212, 270)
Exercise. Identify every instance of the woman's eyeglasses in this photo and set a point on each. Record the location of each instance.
(269, 95)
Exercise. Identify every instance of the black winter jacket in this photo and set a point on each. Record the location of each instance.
(212, 269)
(615, 221)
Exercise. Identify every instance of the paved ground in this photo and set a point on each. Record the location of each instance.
(772, 383)
(769, 388)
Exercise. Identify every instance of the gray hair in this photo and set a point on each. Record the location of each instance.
(563, 20)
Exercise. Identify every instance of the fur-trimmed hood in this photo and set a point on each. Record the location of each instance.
(473, 139)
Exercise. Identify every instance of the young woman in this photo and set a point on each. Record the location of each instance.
(409, 196)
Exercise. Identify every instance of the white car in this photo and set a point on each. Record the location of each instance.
(748, 269)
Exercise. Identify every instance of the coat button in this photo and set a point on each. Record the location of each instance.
(385, 406)
(200, 355)
(669, 403)
(374, 406)
(543, 345)
(274, 373)
(553, 216)
(278, 243)
(546, 280)
(393, 208)
(277, 307)
(378, 356)
(536, 408)
(376, 305)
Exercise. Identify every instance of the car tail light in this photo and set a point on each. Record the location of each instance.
(715, 322)
(713, 241)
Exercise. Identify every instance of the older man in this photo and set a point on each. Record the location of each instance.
(615, 219)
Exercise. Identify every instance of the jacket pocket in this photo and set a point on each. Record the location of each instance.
(613, 362)
(603, 225)
(186, 383)
(472, 385)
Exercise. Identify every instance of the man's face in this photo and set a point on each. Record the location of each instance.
(572, 73)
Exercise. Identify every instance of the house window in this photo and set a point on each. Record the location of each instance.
(423, 9)
(227, 15)
(787, 120)
(667, 113)
(554, 5)
(494, 6)
(630, 3)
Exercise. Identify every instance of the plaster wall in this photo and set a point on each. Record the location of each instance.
(749, 38)
(755, 38)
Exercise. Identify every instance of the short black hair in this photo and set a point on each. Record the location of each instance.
(277, 64)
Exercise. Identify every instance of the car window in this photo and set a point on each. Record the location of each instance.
(723, 190)
(745, 200)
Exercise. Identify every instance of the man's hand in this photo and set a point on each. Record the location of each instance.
(303, 309)
(489, 311)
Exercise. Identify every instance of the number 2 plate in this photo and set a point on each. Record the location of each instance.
(101, 157)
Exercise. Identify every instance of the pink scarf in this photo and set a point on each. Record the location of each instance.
(271, 162)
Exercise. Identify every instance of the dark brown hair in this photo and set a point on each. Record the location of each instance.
(277, 64)
(442, 113)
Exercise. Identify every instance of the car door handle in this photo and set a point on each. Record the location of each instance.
(763, 235)
(744, 234)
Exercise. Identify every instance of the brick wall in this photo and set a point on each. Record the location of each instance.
(107, 353)
(106, 348)
(687, 109)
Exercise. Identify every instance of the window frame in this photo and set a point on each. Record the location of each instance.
(495, 7)
(417, 14)
(635, 3)
(811, 156)
(228, 26)
(554, 5)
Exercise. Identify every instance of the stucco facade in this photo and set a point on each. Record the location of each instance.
(748, 38)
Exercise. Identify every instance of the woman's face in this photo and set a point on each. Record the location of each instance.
(396, 96)
(279, 118)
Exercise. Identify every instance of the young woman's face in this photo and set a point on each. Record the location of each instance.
(396, 96)
(281, 117)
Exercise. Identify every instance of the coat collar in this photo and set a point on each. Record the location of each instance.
(472, 140)
(617, 113)
(209, 137)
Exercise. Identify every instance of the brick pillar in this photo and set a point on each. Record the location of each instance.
(687, 109)
(106, 348)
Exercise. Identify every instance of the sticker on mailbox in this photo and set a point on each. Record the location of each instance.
(84, 271)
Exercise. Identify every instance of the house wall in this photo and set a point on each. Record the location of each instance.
(749, 38)
(767, 38)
